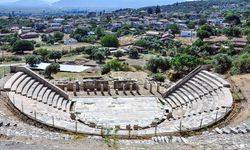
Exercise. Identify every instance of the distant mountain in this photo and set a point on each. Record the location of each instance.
(27, 3)
(112, 3)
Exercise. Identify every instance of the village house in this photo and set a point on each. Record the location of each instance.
(29, 35)
(188, 33)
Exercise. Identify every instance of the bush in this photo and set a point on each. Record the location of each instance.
(133, 53)
(105, 69)
(151, 43)
(118, 54)
(241, 64)
(222, 63)
(23, 45)
(110, 40)
(232, 32)
(58, 36)
(114, 65)
(159, 77)
(11, 58)
(158, 63)
(99, 55)
(43, 53)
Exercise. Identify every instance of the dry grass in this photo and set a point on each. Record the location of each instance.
(73, 76)
(66, 47)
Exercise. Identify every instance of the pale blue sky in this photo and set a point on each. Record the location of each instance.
(6, 1)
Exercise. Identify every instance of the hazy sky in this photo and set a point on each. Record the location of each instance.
(5, 1)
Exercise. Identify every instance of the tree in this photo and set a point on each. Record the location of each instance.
(150, 10)
(58, 36)
(99, 32)
(232, 18)
(133, 53)
(205, 31)
(118, 54)
(52, 69)
(202, 21)
(79, 33)
(23, 45)
(110, 40)
(184, 63)
(55, 55)
(232, 32)
(158, 9)
(32, 60)
(203, 34)
(222, 63)
(99, 55)
(43, 52)
(156, 63)
(174, 29)
(191, 25)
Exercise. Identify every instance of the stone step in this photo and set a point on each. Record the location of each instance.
(22, 85)
(198, 87)
(17, 82)
(59, 103)
(175, 101)
(55, 100)
(179, 98)
(32, 89)
(183, 96)
(46, 96)
(206, 83)
(190, 91)
(222, 81)
(11, 81)
(64, 105)
(215, 82)
(27, 87)
(41, 94)
(194, 89)
(202, 85)
(36, 91)
(170, 102)
(169, 139)
(50, 99)
(68, 106)
(218, 130)
(188, 96)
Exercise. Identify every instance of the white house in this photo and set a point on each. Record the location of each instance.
(188, 33)
(70, 41)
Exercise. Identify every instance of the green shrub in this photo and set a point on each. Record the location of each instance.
(222, 63)
(159, 77)
(11, 58)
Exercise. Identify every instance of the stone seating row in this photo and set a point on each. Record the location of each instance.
(203, 94)
(21, 83)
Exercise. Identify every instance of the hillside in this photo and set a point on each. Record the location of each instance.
(113, 3)
(206, 6)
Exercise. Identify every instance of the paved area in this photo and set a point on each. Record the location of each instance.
(66, 68)
(122, 111)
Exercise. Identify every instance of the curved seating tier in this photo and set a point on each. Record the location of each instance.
(204, 92)
(23, 84)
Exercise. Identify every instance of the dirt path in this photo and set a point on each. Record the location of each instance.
(243, 82)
